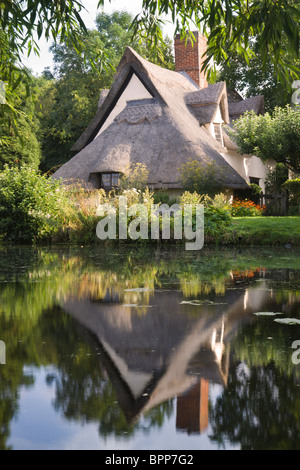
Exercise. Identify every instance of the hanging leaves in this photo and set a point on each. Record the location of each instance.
(229, 26)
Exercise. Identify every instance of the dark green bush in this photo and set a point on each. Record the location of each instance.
(31, 206)
(293, 187)
(164, 198)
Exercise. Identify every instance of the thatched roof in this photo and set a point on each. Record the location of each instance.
(180, 342)
(255, 103)
(163, 132)
(205, 103)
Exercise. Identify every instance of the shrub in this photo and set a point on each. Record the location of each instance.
(200, 178)
(81, 220)
(162, 197)
(32, 207)
(246, 208)
(293, 187)
(135, 177)
(217, 216)
(191, 198)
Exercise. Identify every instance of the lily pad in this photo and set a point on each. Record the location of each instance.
(201, 302)
(288, 321)
(138, 289)
(267, 313)
(137, 305)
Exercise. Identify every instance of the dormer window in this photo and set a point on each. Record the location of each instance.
(218, 132)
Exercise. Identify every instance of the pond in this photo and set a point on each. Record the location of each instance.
(141, 348)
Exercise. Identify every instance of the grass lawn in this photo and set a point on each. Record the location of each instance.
(267, 230)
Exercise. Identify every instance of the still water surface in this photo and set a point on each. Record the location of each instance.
(146, 348)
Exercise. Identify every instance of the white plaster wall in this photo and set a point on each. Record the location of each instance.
(217, 120)
(247, 165)
(218, 116)
(135, 90)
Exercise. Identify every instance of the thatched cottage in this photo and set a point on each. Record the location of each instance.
(163, 119)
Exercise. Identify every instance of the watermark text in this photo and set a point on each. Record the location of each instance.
(296, 354)
(138, 221)
(2, 352)
(296, 94)
(2, 92)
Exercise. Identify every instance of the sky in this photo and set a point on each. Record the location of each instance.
(37, 64)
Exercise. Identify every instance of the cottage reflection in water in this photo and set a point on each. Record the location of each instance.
(167, 345)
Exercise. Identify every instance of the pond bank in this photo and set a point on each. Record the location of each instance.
(240, 231)
(267, 231)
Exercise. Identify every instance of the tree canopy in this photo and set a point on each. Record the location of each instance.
(251, 78)
(273, 136)
(265, 31)
(230, 25)
(79, 79)
(22, 23)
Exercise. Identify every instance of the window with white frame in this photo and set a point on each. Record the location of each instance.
(218, 132)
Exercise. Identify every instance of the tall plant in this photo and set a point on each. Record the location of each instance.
(200, 178)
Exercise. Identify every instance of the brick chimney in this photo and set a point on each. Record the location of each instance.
(188, 57)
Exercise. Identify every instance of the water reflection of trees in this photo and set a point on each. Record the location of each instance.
(258, 410)
(34, 279)
(35, 282)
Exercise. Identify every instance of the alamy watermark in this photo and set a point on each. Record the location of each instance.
(296, 354)
(135, 222)
(296, 94)
(2, 352)
(2, 92)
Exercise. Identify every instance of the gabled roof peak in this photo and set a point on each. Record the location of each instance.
(155, 72)
(204, 103)
(209, 95)
(254, 103)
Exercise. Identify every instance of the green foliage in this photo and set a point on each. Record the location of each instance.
(82, 222)
(273, 24)
(31, 206)
(230, 26)
(22, 25)
(216, 224)
(24, 19)
(252, 77)
(217, 216)
(19, 141)
(79, 80)
(293, 186)
(115, 33)
(267, 231)
(200, 178)
(136, 177)
(74, 94)
(163, 197)
(273, 136)
(19, 124)
(275, 178)
(21, 147)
